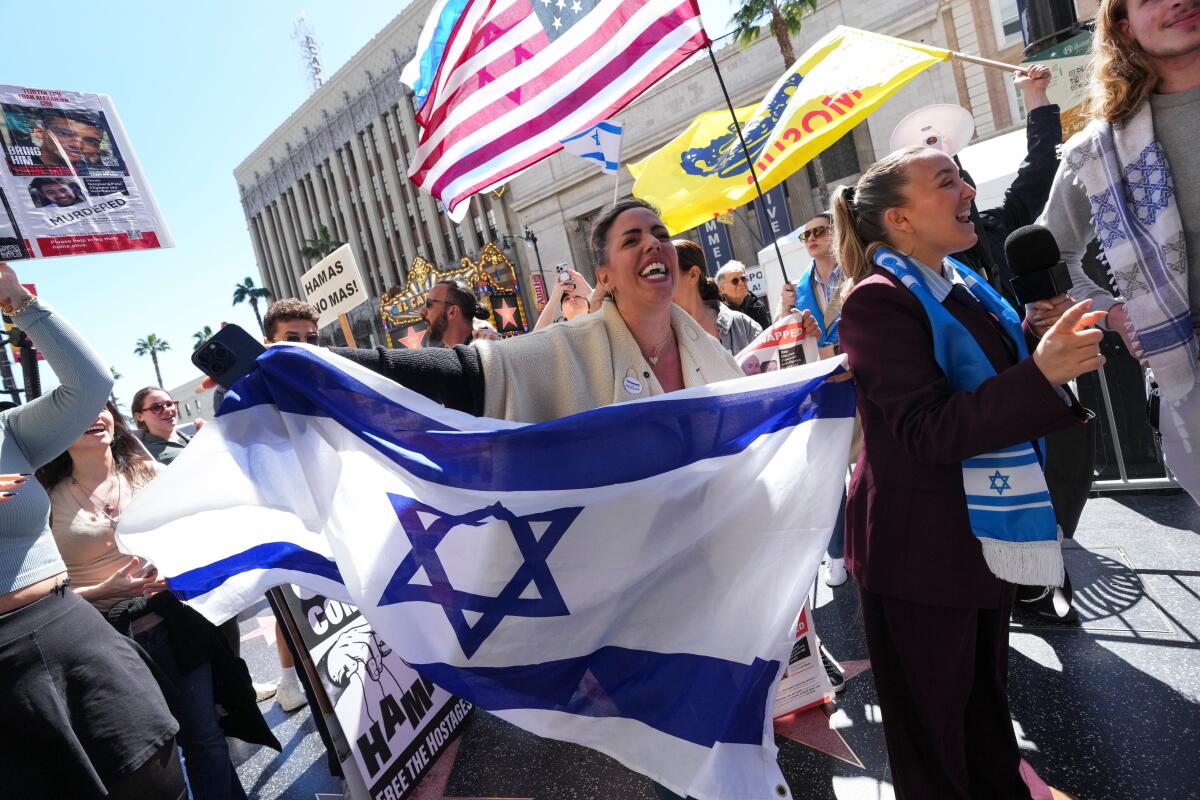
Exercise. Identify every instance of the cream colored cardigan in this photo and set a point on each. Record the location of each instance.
(589, 362)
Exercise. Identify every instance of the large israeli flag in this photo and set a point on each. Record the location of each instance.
(625, 578)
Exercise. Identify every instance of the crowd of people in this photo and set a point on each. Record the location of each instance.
(118, 684)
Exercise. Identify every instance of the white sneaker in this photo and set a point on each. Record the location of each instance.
(291, 694)
(835, 572)
(264, 691)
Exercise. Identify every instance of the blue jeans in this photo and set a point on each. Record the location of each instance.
(210, 772)
(837, 540)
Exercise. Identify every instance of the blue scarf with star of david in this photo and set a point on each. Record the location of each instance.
(806, 298)
(1008, 503)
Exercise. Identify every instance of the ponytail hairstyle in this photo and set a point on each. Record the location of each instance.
(858, 212)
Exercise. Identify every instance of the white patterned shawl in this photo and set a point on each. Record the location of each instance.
(1128, 182)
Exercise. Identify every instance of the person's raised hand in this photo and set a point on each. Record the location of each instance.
(787, 296)
(1032, 83)
(1044, 313)
(1071, 347)
(809, 322)
(582, 287)
(12, 293)
(1118, 320)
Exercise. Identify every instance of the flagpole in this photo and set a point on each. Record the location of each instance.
(984, 62)
(749, 160)
(617, 185)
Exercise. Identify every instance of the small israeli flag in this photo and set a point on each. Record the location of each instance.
(626, 578)
(600, 143)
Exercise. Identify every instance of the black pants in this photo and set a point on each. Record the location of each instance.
(82, 711)
(942, 678)
(1070, 467)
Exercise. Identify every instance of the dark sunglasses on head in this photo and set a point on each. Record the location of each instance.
(310, 338)
(158, 408)
(816, 232)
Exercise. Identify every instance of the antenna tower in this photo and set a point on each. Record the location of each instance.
(310, 54)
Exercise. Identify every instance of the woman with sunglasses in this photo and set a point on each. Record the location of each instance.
(155, 413)
(83, 715)
(820, 284)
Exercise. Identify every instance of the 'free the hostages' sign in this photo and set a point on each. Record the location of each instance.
(334, 285)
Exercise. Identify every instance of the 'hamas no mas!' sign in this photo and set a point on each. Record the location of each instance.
(334, 285)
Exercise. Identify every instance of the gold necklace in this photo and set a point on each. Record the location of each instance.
(653, 358)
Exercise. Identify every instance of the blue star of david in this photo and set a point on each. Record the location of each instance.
(999, 483)
(454, 602)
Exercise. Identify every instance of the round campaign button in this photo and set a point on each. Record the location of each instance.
(633, 385)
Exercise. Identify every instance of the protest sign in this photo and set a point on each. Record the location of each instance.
(396, 723)
(1068, 63)
(804, 683)
(70, 181)
(334, 285)
(780, 346)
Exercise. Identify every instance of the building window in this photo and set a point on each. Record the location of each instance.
(1007, 17)
(838, 161)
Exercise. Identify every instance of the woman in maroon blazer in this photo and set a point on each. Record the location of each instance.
(939, 412)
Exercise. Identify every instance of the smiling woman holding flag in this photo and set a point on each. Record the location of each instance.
(948, 506)
(638, 344)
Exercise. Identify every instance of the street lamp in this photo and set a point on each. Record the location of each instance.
(531, 239)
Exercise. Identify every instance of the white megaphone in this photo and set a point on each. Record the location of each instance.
(944, 127)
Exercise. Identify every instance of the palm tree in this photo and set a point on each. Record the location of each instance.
(152, 346)
(323, 245)
(246, 291)
(785, 17)
(201, 336)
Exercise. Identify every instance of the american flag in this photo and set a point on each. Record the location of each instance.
(518, 76)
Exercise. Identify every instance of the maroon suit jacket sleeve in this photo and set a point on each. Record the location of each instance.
(888, 337)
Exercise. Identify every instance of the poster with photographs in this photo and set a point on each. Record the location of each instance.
(780, 346)
(71, 182)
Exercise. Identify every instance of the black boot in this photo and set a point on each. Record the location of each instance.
(1048, 603)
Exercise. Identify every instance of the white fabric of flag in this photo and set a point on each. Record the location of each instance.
(625, 578)
(600, 143)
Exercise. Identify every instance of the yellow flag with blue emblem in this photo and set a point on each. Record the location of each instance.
(838, 82)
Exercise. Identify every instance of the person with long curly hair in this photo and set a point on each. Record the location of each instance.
(1129, 179)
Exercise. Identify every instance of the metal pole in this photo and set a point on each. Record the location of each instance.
(746, 152)
(1112, 425)
(531, 237)
(1124, 482)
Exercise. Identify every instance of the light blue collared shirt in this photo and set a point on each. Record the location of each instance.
(939, 286)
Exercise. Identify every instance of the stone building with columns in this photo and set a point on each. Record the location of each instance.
(340, 160)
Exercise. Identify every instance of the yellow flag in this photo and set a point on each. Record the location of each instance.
(836, 84)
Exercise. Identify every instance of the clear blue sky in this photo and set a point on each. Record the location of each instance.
(198, 87)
